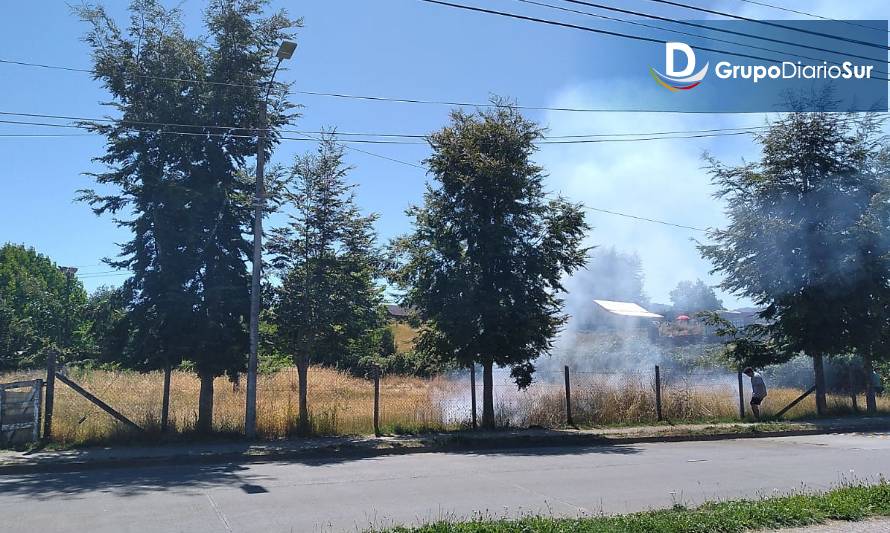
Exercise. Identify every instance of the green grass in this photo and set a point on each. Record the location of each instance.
(853, 502)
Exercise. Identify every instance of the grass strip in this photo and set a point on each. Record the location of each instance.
(850, 503)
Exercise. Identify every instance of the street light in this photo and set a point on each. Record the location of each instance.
(285, 51)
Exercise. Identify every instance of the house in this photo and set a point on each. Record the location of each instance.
(623, 315)
(397, 312)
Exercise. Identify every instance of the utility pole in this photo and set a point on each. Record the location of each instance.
(259, 202)
(285, 51)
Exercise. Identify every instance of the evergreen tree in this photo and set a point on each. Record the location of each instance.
(106, 326)
(484, 263)
(177, 158)
(327, 306)
(796, 240)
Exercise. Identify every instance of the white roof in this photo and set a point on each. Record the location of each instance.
(626, 309)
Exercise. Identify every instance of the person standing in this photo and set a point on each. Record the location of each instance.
(758, 390)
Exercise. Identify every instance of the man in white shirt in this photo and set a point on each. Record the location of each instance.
(758, 390)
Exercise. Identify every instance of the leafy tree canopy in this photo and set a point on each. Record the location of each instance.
(807, 227)
(484, 264)
(694, 296)
(38, 306)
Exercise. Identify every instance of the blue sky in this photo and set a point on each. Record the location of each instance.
(410, 49)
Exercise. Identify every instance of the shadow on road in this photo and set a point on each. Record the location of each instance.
(189, 473)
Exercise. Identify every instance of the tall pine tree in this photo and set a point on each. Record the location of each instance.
(176, 157)
(808, 234)
(327, 306)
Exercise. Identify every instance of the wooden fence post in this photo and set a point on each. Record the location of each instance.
(376, 400)
(741, 397)
(658, 392)
(852, 378)
(569, 420)
(50, 395)
(38, 404)
(473, 391)
(165, 401)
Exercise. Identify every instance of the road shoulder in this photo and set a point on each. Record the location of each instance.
(12, 462)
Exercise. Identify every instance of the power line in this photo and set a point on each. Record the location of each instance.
(91, 275)
(452, 103)
(814, 15)
(670, 30)
(644, 219)
(85, 120)
(721, 30)
(43, 135)
(612, 33)
(335, 133)
(198, 134)
(768, 23)
(309, 136)
(558, 139)
(582, 28)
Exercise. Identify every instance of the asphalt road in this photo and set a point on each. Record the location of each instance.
(349, 494)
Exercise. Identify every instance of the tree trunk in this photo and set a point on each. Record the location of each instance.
(165, 401)
(205, 404)
(304, 426)
(871, 404)
(819, 372)
(487, 395)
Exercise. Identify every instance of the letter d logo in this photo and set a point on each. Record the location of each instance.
(670, 50)
(676, 80)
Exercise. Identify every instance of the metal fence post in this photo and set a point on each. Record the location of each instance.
(741, 397)
(658, 393)
(569, 420)
(473, 391)
(376, 400)
(50, 395)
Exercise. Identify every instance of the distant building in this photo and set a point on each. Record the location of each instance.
(397, 312)
(742, 317)
(625, 309)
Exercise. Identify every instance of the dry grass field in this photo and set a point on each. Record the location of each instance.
(404, 336)
(341, 404)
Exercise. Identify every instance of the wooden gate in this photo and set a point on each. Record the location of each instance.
(20, 412)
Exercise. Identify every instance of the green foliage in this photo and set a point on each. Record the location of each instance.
(186, 197)
(387, 342)
(853, 502)
(327, 308)
(694, 296)
(483, 265)
(106, 326)
(411, 363)
(39, 307)
(746, 346)
(808, 233)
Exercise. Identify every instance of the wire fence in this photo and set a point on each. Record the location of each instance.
(342, 404)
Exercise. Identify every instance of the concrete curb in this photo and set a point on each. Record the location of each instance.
(445, 443)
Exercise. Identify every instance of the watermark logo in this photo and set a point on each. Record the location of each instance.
(681, 80)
